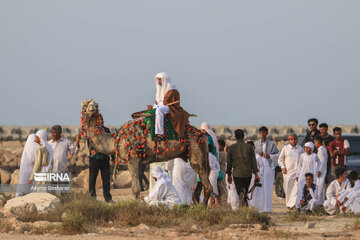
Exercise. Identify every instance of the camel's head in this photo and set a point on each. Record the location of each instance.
(91, 118)
(89, 108)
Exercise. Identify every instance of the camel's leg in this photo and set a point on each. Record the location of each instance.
(134, 173)
(199, 160)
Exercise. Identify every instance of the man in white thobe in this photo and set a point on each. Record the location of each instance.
(346, 196)
(163, 192)
(183, 178)
(288, 161)
(27, 164)
(267, 149)
(61, 147)
(340, 184)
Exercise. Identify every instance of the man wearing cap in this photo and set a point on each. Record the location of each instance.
(62, 146)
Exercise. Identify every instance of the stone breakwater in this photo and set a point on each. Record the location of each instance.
(11, 133)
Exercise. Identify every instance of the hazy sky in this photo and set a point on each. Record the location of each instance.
(234, 62)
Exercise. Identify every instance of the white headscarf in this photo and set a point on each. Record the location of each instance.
(310, 145)
(42, 134)
(27, 162)
(29, 152)
(206, 126)
(166, 85)
(161, 178)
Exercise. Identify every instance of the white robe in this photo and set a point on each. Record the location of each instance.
(233, 197)
(27, 163)
(214, 173)
(257, 201)
(165, 194)
(307, 164)
(268, 184)
(289, 158)
(323, 156)
(331, 193)
(353, 202)
(314, 202)
(348, 192)
(184, 179)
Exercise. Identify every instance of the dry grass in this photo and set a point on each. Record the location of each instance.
(84, 213)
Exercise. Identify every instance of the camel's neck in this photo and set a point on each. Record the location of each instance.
(103, 142)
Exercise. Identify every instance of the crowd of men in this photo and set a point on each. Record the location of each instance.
(250, 170)
(242, 174)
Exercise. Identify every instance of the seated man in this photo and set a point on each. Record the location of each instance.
(163, 192)
(309, 194)
(168, 102)
(333, 192)
(346, 196)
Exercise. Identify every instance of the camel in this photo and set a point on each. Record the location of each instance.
(133, 145)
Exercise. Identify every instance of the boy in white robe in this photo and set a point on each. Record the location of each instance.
(309, 162)
(309, 194)
(163, 191)
(332, 204)
(323, 156)
(27, 164)
(184, 179)
(213, 177)
(288, 161)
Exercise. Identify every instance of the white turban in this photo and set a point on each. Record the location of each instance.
(206, 126)
(310, 145)
(166, 85)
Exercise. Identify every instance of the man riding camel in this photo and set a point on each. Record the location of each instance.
(167, 101)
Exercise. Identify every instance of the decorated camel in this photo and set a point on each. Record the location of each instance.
(134, 144)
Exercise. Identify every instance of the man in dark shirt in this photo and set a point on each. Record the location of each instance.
(241, 164)
(99, 161)
(327, 139)
(310, 136)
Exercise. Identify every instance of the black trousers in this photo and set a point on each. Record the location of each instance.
(242, 187)
(142, 177)
(102, 165)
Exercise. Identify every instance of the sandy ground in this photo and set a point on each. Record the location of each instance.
(325, 227)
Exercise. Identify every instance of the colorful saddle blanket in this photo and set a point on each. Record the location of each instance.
(169, 133)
